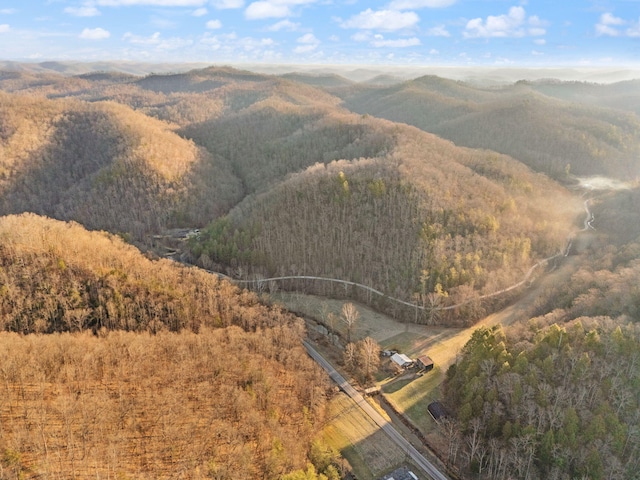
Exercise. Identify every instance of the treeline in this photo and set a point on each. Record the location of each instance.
(556, 401)
(557, 397)
(426, 223)
(286, 138)
(606, 282)
(168, 370)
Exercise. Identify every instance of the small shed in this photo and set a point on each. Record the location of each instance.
(425, 363)
(437, 410)
(401, 360)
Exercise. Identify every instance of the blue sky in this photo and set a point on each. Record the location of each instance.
(392, 32)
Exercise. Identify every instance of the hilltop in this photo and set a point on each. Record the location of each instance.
(106, 166)
(398, 209)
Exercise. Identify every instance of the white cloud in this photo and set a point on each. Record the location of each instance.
(388, 20)
(227, 4)
(230, 42)
(214, 24)
(94, 34)
(609, 19)
(263, 9)
(308, 38)
(361, 37)
(308, 42)
(415, 4)
(634, 30)
(433, 51)
(8, 11)
(540, 41)
(536, 53)
(513, 24)
(200, 12)
(139, 40)
(4, 28)
(84, 11)
(272, 8)
(610, 26)
(287, 25)
(439, 31)
(399, 43)
(154, 3)
(155, 40)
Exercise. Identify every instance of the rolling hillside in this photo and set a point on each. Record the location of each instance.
(410, 214)
(417, 219)
(107, 167)
(582, 134)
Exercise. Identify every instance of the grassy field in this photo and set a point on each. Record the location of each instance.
(369, 453)
(370, 322)
(409, 394)
(369, 450)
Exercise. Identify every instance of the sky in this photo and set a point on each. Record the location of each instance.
(590, 33)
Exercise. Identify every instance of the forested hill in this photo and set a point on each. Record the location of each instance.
(402, 211)
(414, 216)
(553, 127)
(558, 396)
(107, 167)
(210, 379)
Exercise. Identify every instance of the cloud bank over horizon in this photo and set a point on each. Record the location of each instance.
(411, 32)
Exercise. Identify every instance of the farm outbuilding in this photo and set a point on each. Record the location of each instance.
(425, 363)
(401, 360)
(437, 410)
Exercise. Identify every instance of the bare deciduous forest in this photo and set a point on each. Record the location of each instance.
(116, 363)
(127, 366)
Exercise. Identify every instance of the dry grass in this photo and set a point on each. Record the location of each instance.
(368, 449)
(370, 323)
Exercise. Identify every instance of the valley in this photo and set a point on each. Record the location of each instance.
(449, 216)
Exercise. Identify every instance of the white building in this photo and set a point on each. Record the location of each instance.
(401, 360)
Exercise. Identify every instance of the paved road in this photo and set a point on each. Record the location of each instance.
(415, 455)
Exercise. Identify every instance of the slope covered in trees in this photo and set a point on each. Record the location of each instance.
(557, 397)
(412, 215)
(620, 95)
(207, 382)
(420, 219)
(107, 167)
(554, 402)
(551, 133)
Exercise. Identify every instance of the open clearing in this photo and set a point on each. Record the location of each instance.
(410, 394)
(368, 449)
